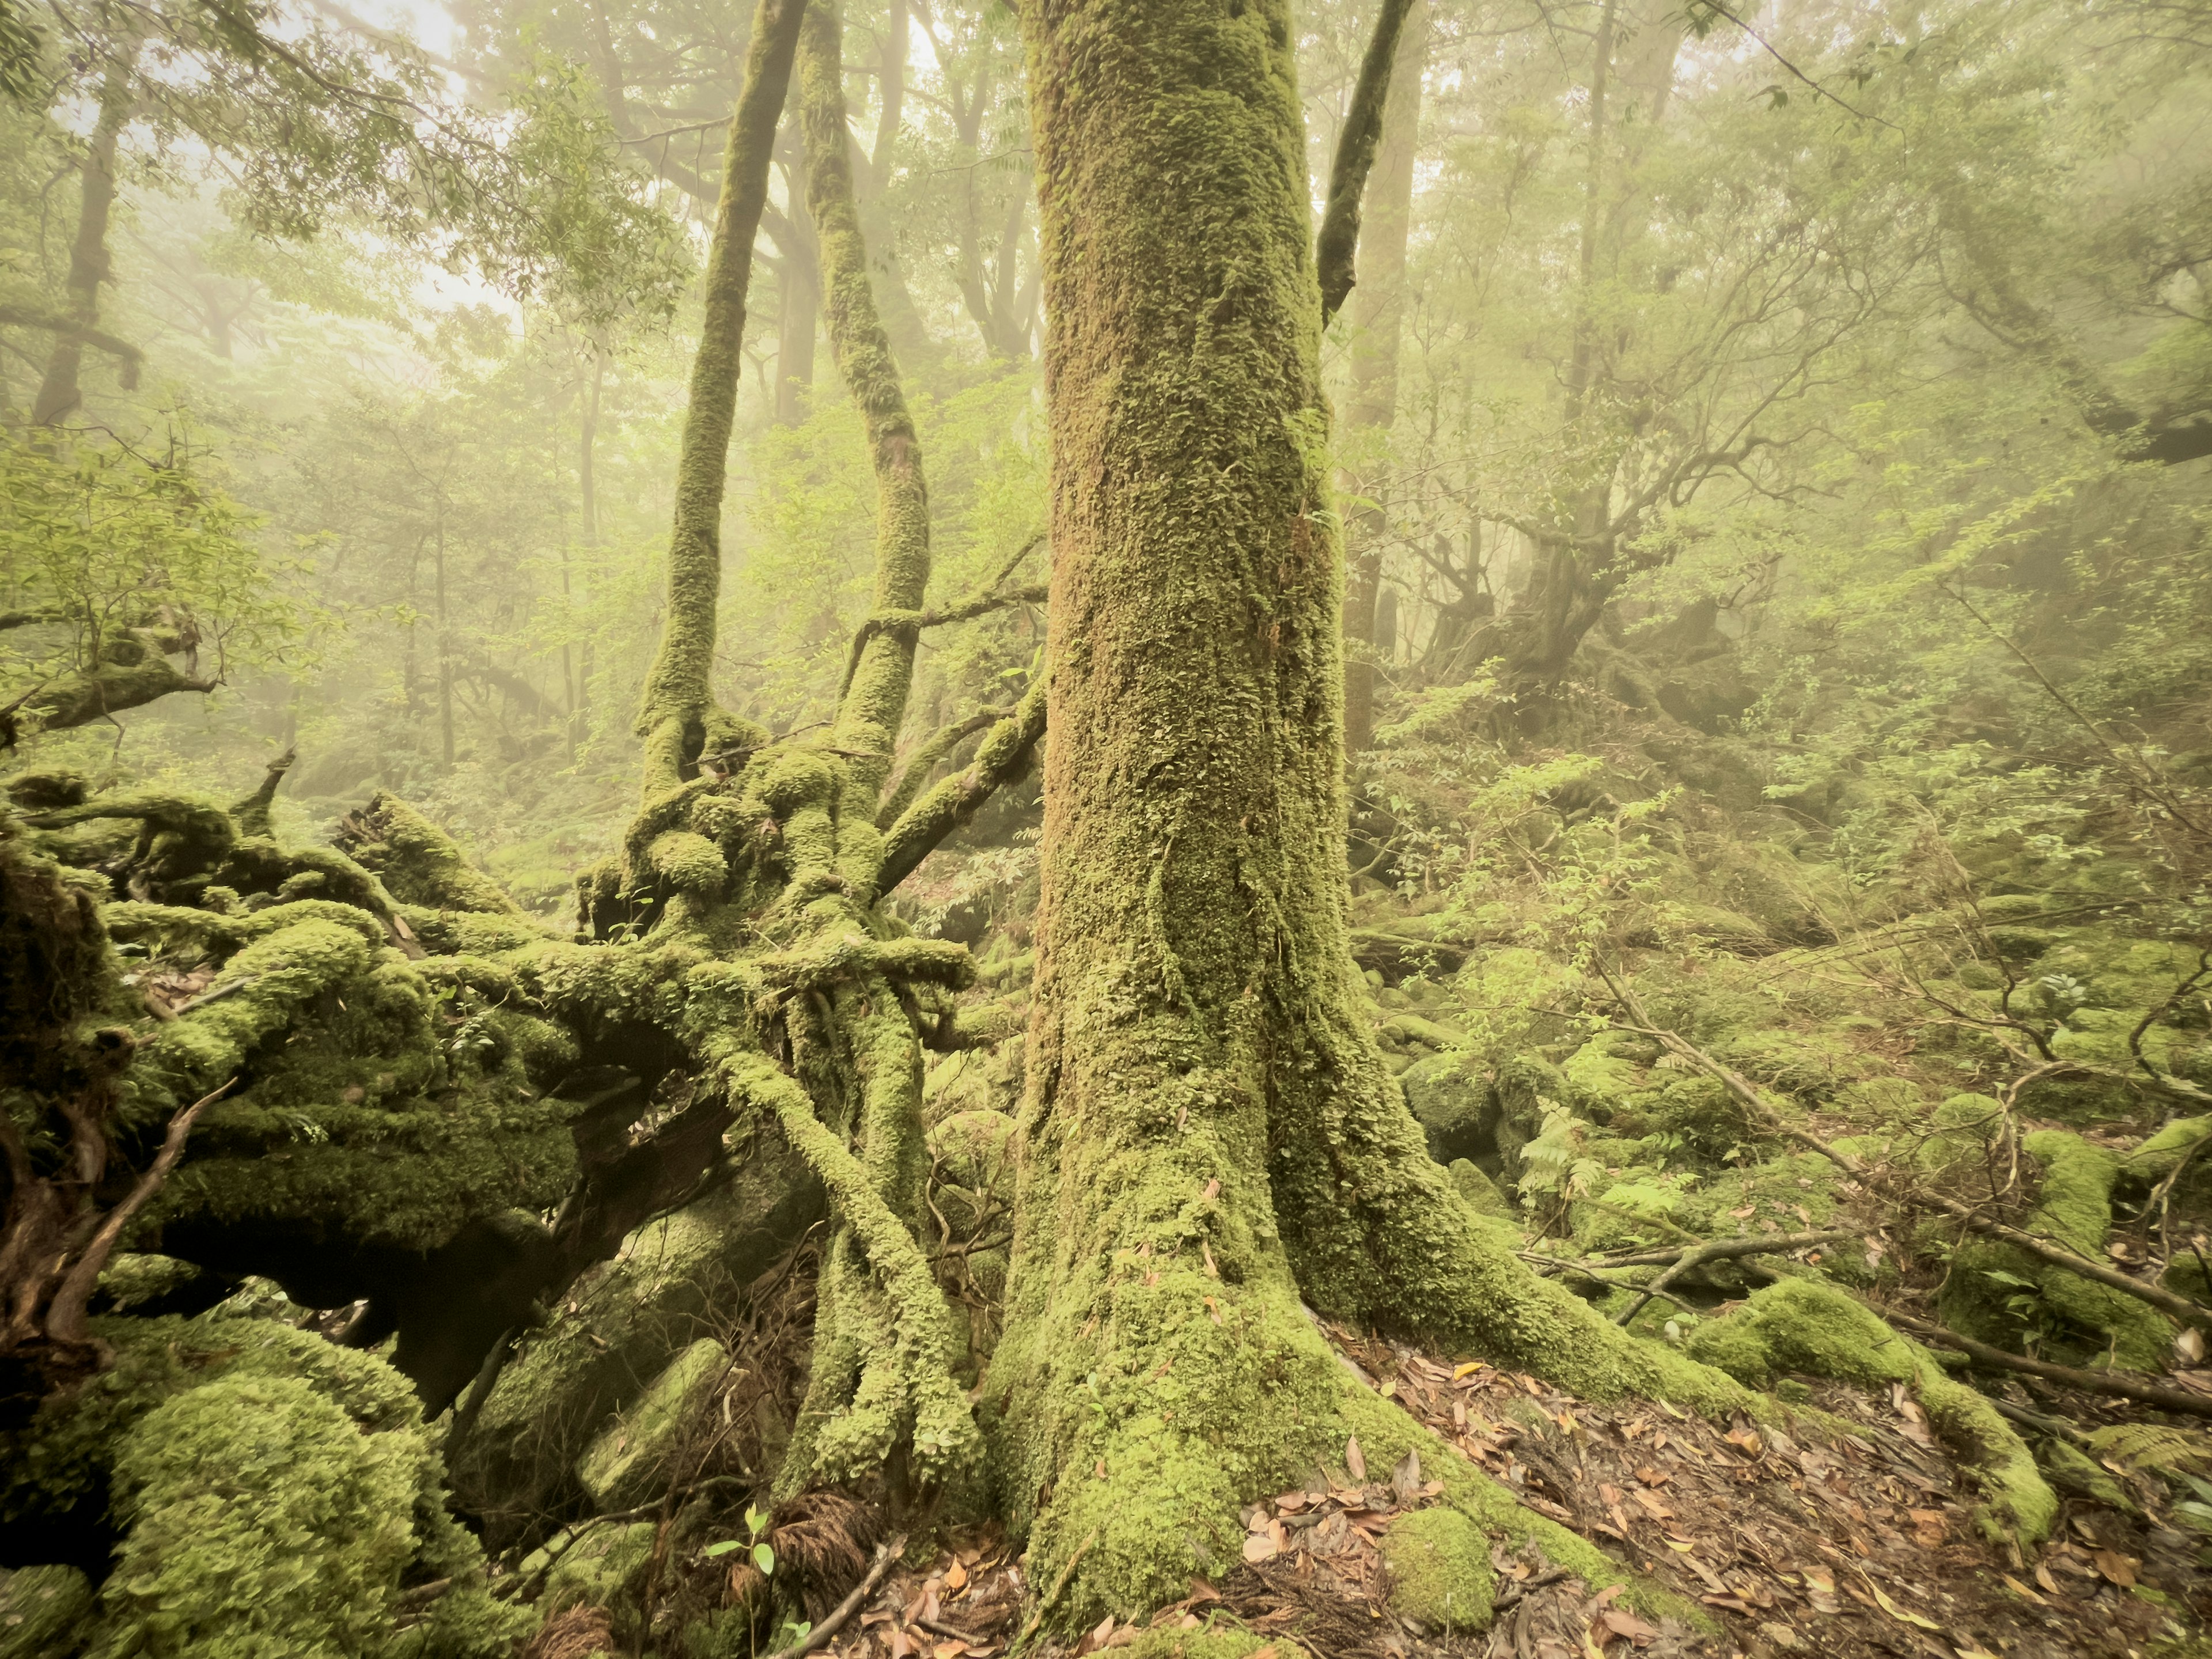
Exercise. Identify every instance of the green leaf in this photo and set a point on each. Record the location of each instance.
(764, 1558)
(722, 1548)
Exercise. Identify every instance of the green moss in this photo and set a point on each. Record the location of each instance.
(1998, 1294)
(418, 862)
(1211, 1642)
(635, 1454)
(1440, 1572)
(62, 1456)
(1798, 1325)
(261, 1522)
(1479, 1191)
(42, 1611)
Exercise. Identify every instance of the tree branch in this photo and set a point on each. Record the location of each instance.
(1334, 248)
(1003, 756)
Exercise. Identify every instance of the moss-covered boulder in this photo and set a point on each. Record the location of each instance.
(2001, 1295)
(1479, 1190)
(1799, 1324)
(42, 1611)
(1451, 1100)
(635, 1454)
(265, 1491)
(617, 1329)
(1440, 1572)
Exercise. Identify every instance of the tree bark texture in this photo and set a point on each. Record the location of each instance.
(60, 391)
(1209, 1133)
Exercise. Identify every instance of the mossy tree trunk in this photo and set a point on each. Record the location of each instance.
(59, 392)
(1210, 1134)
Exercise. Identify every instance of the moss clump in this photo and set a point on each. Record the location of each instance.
(1440, 1571)
(261, 1522)
(1798, 1325)
(1215, 1642)
(1999, 1294)
(41, 1612)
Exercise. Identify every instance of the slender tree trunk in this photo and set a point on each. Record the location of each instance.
(800, 305)
(1209, 1134)
(59, 392)
(444, 637)
(1378, 311)
(874, 705)
(679, 695)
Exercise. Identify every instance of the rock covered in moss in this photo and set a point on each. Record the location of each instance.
(635, 1454)
(1451, 1101)
(2000, 1295)
(1798, 1325)
(272, 1488)
(1479, 1190)
(1440, 1571)
(42, 1611)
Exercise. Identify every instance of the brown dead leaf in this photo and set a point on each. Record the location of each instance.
(2042, 1577)
(948, 1651)
(1621, 1622)
(1259, 1546)
(1212, 1189)
(956, 1576)
(2021, 1590)
(1653, 1504)
(2114, 1566)
(1354, 1459)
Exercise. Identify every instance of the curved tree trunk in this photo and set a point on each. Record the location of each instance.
(1210, 1134)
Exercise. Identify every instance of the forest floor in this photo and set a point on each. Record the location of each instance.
(1845, 1540)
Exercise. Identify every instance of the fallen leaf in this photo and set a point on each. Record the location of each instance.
(1621, 1622)
(2042, 1577)
(1212, 1189)
(1651, 1477)
(1902, 1615)
(1354, 1459)
(1292, 1502)
(1467, 1369)
(948, 1651)
(1258, 1547)
(1653, 1504)
(2020, 1589)
(956, 1576)
(2190, 1345)
(2114, 1566)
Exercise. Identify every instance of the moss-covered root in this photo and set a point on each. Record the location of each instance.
(1128, 1431)
(1802, 1326)
(2074, 1208)
(418, 862)
(904, 1388)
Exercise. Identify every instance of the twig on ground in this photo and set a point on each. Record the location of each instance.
(886, 1555)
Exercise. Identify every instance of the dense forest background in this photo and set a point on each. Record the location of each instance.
(1773, 462)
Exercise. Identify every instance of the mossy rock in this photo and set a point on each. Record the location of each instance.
(2090, 1323)
(42, 1611)
(1479, 1190)
(633, 1455)
(658, 1296)
(1440, 1572)
(1451, 1101)
(1800, 1325)
(601, 1569)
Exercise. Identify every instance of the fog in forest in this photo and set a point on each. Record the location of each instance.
(1215, 878)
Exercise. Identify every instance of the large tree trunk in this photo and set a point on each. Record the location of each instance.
(1209, 1133)
(1378, 311)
